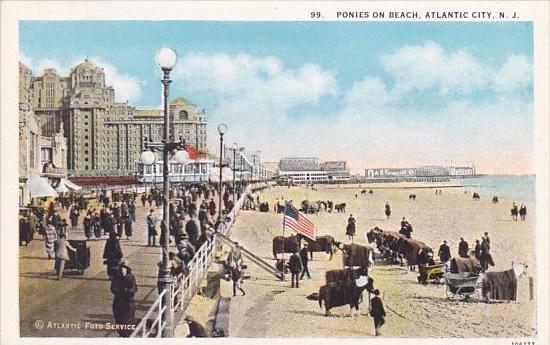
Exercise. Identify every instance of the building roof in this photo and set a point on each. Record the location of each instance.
(181, 101)
(86, 64)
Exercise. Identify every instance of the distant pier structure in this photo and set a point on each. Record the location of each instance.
(427, 173)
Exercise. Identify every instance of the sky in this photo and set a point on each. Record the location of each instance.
(377, 94)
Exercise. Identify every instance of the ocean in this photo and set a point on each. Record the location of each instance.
(519, 188)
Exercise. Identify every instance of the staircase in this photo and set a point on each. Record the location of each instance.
(252, 257)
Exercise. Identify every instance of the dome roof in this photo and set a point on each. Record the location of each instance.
(181, 101)
(86, 64)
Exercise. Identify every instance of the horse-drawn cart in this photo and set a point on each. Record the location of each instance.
(431, 274)
(462, 284)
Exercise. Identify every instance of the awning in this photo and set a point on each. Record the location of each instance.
(70, 184)
(39, 187)
(62, 188)
(227, 174)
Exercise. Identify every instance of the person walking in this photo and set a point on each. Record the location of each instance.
(444, 252)
(119, 227)
(236, 277)
(350, 228)
(387, 210)
(295, 266)
(128, 227)
(235, 256)
(74, 217)
(463, 248)
(62, 247)
(50, 236)
(151, 228)
(522, 211)
(87, 226)
(112, 254)
(96, 225)
(304, 257)
(124, 288)
(377, 312)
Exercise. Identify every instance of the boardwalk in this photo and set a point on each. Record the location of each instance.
(82, 301)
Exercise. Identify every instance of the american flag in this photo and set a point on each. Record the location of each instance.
(298, 222)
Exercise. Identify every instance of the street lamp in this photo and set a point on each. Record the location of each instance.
(222, 129)
(235, 148)
(166, 59)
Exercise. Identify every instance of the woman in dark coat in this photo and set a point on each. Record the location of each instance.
(124, 288)
(96, 224)
(74, 217)
(112, 254)
(377, 312)
(128, 227)
(88, 226)
(119, 227)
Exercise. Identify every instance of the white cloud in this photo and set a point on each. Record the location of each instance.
(516, 73)
(367, 92)
(259, 97)
(430, 67)
(127, 87)
(25, 60)
(263, 81)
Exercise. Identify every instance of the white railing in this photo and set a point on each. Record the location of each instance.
(185, 287)
(157, 325)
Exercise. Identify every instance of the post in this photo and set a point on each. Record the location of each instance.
(234, 190)
(220, 182)
(165, 279)
(284, 225)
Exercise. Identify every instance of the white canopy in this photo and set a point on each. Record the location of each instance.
(70, 184)
(227, 174)
(39, 187)
(62, 188)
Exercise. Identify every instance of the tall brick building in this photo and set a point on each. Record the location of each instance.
(104, 137)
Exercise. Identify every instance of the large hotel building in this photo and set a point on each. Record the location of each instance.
(104, 137)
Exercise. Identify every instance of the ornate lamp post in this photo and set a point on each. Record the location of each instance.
(222, 129)
(235, 148)
(166, 59)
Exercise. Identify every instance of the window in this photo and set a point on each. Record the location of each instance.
(85, 137)
(86, 152)
(184, 115)
(86, 168)
(85, 159)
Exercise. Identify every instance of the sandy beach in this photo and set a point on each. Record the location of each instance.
(270, 307)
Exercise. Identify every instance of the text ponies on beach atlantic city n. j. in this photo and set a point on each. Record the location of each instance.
(234, 178)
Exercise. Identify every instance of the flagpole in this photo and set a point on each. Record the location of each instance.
(284, 223)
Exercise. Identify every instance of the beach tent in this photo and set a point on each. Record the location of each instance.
(39, 187)
(70, 184)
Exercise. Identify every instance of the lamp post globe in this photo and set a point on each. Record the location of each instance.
(166, 58)
(181, 157)
(222, 128)
(147, 157)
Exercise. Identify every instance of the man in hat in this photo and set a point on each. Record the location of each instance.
(295, 266)
(304, 257)
(463, 248)
(377, 312)
(444, 252)
(151, 228)
(183, 252)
